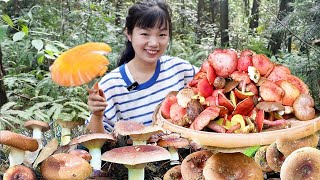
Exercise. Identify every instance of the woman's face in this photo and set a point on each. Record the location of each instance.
(149, 44)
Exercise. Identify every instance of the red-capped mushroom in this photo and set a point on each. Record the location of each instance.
(224, 61)
(81, 153)
(37, 128)
(173, 173)
(17, 172)
(135, 158)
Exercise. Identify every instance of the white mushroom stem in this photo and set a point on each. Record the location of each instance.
(65, 136)
(136, 172)
(16, 156)
(95, 162)
(36, 133)
(174, 156)
(139, 143)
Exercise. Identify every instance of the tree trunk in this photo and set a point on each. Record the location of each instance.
(246, 7)
(224, 22)
(199, 20)
(277, 38)
(3, 95)
(183, 19)
(254, 21)
(118, 17)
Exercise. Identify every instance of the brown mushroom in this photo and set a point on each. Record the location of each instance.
(93, 142)
(137, 132)
(17, 172)
(260, 159)
(192, 165)
(173, 173)
(81, 153)
(286, 147)
(37, 127)
(184, 96)
(173, 143)
(18, 145)
(64, 166)
(231, 166)
(274, 157)
(270, 106)
(303, 163)
(303, 107)
(135, 158)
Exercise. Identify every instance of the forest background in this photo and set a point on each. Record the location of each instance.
(33, 33)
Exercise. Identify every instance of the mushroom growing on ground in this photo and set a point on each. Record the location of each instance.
(173, 142)
(137, 132)
(64, 166)
(286, 147)
(93, 142)
(303, 107)
(274, 157)
(81, 153)
(37, 128)
(18, 145)
(192, 165)
(173, 173)
(135, 158)
(17, 172)
(66, 127)
(260, 159)
(301, 164)
(231, 166)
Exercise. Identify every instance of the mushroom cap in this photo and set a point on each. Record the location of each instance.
(18, 141)
(286, 147)
(270, 106)
(193, 164)
(260, 159)
(173, 173)
(19, 172)
(303, 163)
(81, 153)
(135, 155)
(64, 166)
(173, 142)
(274, 157)
(94, 140)
(44, 126)
(137, 131)
(231, 166)
(69, 124)
(184, 96)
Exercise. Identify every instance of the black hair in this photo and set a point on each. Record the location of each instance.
(145, 14)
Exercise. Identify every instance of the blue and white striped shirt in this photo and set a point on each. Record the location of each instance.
(171, 74)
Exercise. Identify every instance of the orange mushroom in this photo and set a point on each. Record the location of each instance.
(80, 64)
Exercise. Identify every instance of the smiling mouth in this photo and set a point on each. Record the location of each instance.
(152, 52)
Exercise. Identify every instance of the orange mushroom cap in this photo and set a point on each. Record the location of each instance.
(80, 64)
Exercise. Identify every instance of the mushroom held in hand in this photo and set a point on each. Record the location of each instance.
(301, 164)
(231, 166)
(192, 165)
(303, 107)
(19, 172)
(18, 145)
(135, 158)
(64, 166)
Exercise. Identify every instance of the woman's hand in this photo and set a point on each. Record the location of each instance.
(96, 100)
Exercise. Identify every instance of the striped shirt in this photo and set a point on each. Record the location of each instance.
(171, 74)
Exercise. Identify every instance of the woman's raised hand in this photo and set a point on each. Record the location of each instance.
(96, 100)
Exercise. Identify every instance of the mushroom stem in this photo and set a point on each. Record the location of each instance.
(36, 133)
(136, 172)
(139, 142)
(95, 162)
(65, 136)
(16, 156)
(174, 156)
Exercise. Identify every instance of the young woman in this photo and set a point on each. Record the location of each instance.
(145, 75)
